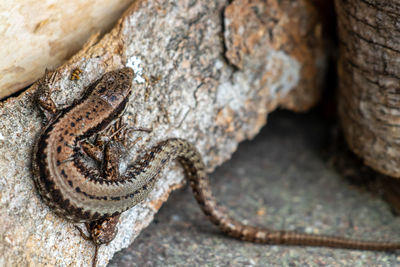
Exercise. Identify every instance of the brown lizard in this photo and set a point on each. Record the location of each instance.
(97, 195)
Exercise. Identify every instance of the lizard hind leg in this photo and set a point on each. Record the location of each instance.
(103, 231)
(100, 232)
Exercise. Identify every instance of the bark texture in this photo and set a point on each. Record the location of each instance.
(187, 85)
(369, 80)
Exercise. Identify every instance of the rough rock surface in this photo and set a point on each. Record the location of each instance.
(36, 35)
(184, 87)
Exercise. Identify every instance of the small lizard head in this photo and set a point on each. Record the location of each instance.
(115, 86)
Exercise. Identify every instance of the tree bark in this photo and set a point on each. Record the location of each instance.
(369, 80)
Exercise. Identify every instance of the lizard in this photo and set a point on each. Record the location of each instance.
(97, 195)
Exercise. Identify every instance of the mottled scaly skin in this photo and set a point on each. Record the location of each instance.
(77, 192)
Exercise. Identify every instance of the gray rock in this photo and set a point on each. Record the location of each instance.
(184, 87)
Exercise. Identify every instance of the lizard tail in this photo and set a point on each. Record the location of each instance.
(195, 173)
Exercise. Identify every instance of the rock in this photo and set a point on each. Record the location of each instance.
(44, 34)
(188, 84)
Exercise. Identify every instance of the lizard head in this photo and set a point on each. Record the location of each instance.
(115, 86)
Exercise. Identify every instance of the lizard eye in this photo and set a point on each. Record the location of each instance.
(113, 98)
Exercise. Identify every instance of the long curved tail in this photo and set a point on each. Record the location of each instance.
(195, 173)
